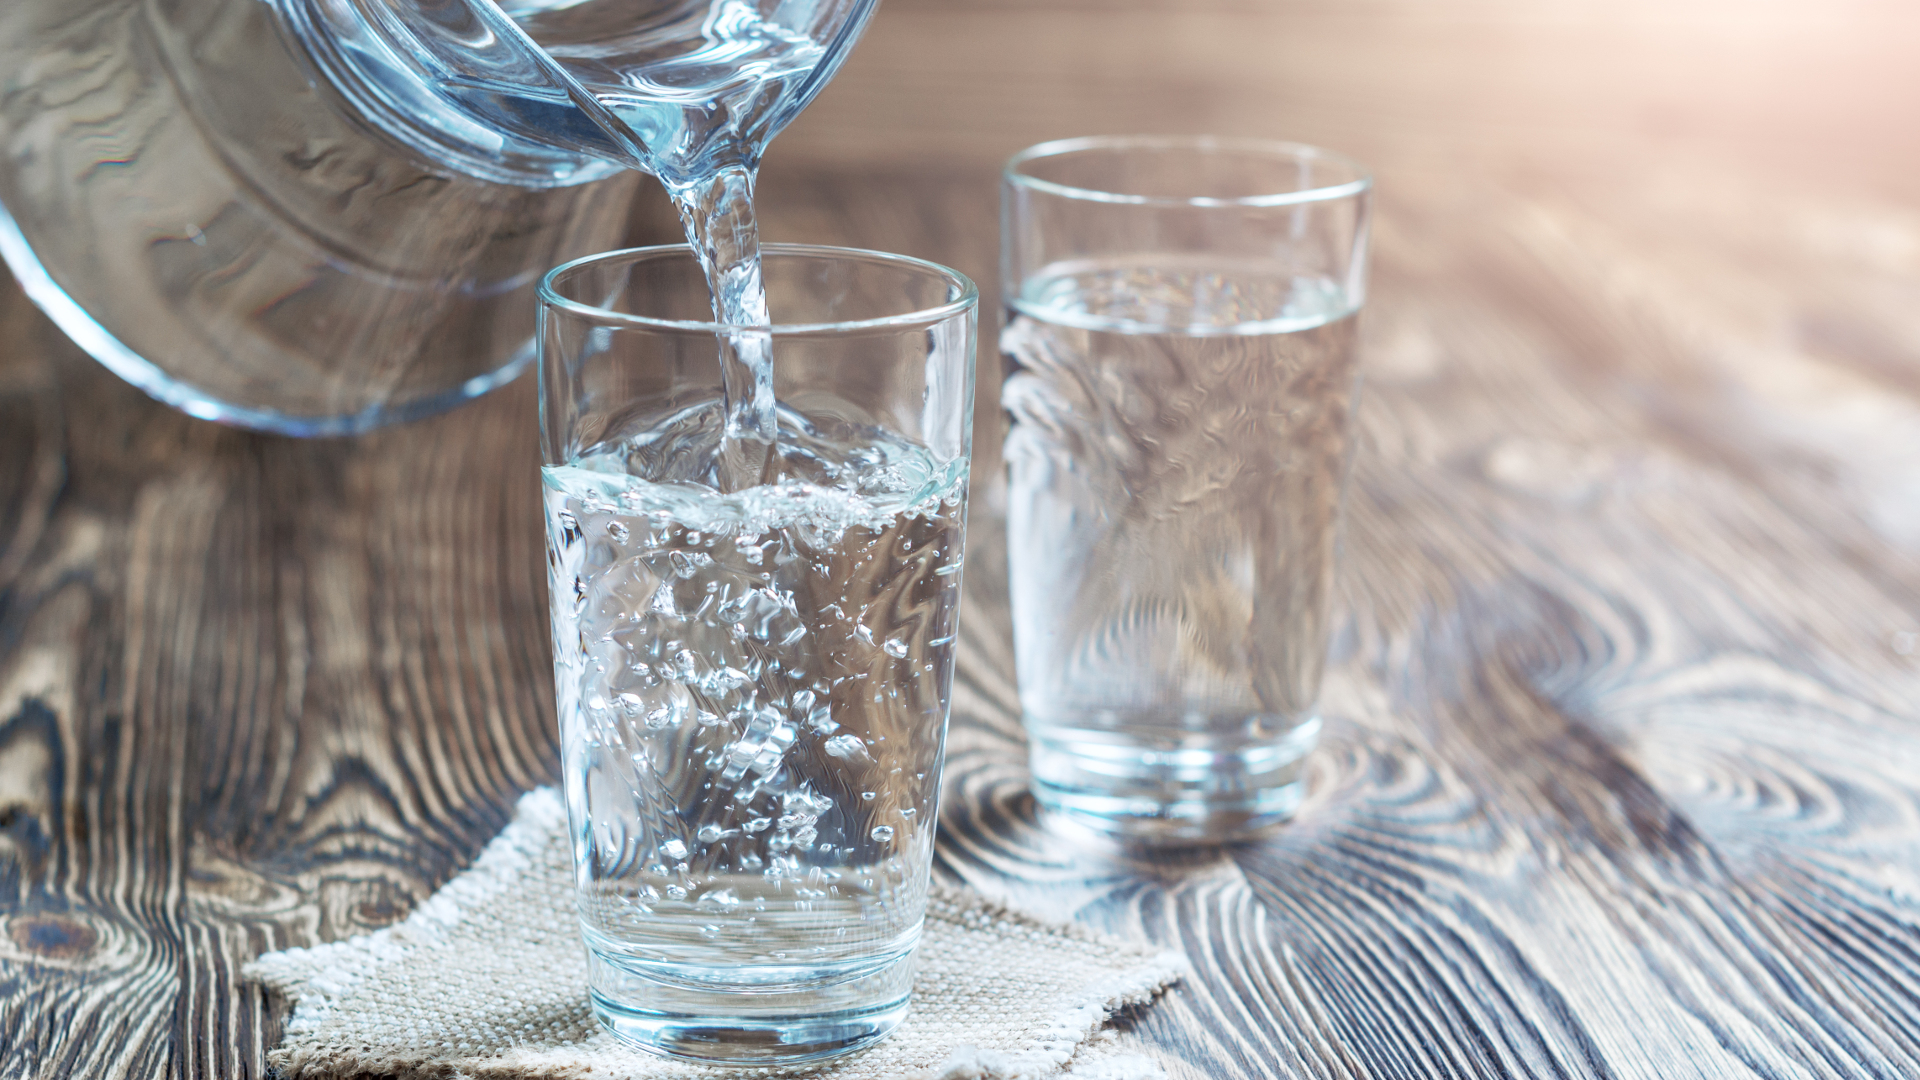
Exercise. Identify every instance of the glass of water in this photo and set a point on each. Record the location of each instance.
(753, 679)
(1180, 348)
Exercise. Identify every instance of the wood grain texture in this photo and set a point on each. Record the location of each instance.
(1622, 771)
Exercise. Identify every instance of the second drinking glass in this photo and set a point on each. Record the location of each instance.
(753, 679)
(1181, 377)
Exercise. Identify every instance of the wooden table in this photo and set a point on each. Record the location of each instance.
(1622, 770)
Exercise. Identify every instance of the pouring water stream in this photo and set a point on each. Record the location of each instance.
(709, 173)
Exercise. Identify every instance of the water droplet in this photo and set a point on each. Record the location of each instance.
(617, 530)
(710, 833)
(674, 849)
(896, 648)
(705, 718)
(676, 892)
(882, 833)
(758, 824)
(631, 704)
(659, 718)
(867, 796)
(709, 931)
(846, 747)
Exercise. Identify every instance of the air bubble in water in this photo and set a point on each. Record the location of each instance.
(846, 747)
(709, 833)
(882, 833)
(617, 530)
(676, 892)
(896, 648)
(674, 849)
(866, 796)
(759, 824)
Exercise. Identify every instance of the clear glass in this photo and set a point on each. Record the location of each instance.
(753, 683)
(315, 217)
(1180, 382)
(214, 222)
(678, 88)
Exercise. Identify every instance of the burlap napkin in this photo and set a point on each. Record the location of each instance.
(487, 979)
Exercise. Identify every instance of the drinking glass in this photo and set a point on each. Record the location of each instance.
(1180, 382)
(753, 683)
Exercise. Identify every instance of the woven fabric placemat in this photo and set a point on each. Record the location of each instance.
(487, 980)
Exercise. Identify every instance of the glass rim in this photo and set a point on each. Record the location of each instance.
(969, 293)
(1362, 178)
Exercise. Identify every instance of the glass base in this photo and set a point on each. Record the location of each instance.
(730, 1017)
(1155, 795)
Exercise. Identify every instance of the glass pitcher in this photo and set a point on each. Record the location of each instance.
(319, 216)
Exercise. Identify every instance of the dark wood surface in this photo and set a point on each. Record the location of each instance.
(1622, 772)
